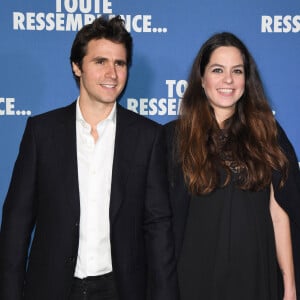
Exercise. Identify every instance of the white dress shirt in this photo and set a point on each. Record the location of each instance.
(95, 160)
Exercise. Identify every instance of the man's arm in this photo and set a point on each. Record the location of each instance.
(18, 217)
(158, 231)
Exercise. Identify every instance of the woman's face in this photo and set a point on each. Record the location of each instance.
(224, 81)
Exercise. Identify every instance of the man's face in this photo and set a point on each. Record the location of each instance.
(103, 73)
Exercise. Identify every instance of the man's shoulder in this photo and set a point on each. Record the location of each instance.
(170, 126)
(60, 113)
(169, 129)
(132, 116)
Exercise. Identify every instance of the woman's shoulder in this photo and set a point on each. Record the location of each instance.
(285, 144)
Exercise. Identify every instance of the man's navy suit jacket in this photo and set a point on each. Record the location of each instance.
(44, 196)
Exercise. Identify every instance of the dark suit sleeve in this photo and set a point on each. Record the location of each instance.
(289, 198)
(18, 217)
(157, 225)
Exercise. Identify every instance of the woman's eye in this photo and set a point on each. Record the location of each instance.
(238, 71)
(217, 70)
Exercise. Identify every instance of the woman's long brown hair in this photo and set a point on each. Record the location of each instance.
(252, 129)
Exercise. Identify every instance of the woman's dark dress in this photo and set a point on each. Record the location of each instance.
(228, 251)
(204, 234)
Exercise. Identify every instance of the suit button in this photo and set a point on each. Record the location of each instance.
(70, 259)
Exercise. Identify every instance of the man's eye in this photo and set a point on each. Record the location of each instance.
(100, 61)
(120, 63)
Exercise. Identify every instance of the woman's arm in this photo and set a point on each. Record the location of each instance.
(284, 251)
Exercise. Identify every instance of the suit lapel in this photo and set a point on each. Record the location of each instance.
(67, 153)
(125, 147)
(124, 153)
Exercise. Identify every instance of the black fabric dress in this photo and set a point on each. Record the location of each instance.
(204, 226)
(228, 251)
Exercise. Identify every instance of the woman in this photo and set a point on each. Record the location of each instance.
(227, 156)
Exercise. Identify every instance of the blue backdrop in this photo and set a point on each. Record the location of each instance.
(36, 37)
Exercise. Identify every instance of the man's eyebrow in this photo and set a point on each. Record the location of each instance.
(99, 58)
(120, 60)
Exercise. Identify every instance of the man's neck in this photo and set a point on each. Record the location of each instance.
(96, 112)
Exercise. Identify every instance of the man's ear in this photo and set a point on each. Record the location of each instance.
(76, 69)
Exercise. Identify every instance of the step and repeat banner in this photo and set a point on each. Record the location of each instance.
(36, 38)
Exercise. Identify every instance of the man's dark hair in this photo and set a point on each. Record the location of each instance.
(102, 28)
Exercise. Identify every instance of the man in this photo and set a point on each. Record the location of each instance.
(90, 181)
